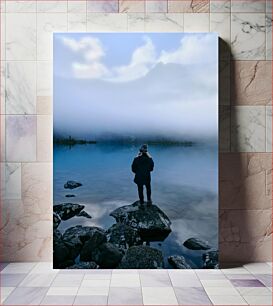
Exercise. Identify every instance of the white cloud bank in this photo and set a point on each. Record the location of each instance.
(193, 49)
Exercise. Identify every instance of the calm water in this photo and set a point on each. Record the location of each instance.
(184, 186)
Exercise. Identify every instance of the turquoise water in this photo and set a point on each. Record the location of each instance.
(184, 186)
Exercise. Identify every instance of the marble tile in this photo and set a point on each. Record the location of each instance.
(157, 6)
(44, 105)
(38, 280)
(131, 6)
(269, 6)
(77, 6)
(44, 138)
(3, 87)
(3, 36)
(90, 300)
(136, 22)
(52, 6)
(243, 182)
(240, 276)
(159, 296)
(248, 129)
(258, 267)
(12, 280)
(44, 268)
(21, 6)
(20, 88)
(12, 181)
(224, 82)
(20, 36)
(196, 22)
(155, 280)
(44, 78)
(37, 188)
(268, 23)
(251, 83)
(258, 300)
(18, 268)
(247, 291)
(210, 274)
(248, 6)
(108, 22)
(185, 281)
(216, 283)
(248, 36)
(227, 300)
(5, 292)
(66, 280)
(266, 279)
(93, 291)
(97, 276)
(47, 23)
(62, 291)
(102, 6)
(192, 296)
(26, 296)
(3, 265)
(220, 23)
(3, 138)
(220, 6)
(224, 132)
(96, 283)
(77, 22)
(125, 280)
(222, 291)
(125, 296)
(241, 241)
(171, 22)
(20, 138)
(3, 6)
(268, 128)
(188, 6)
(246, 283)
(236, 271)
(58, 300)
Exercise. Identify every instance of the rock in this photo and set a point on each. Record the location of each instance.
(57, 236)
(64, 264)
(107, 256)
(123, 236)
(210, 260)
(84, 265)
(151, 222)
(84, 214)
(69, 195)
(56, 220)
(60, 253)
(142, 257)
(178, 262)
(196, 244)
(72, 185)
(67, 210)
(97, 237)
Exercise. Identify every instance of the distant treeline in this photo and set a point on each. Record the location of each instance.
(71, 141)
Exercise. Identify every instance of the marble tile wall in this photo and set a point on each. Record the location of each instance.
(245, 111)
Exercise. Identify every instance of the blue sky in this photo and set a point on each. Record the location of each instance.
(127, 78)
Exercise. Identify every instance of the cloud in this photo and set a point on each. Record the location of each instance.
(144, 58)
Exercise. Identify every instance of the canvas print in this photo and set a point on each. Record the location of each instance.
(135, 151)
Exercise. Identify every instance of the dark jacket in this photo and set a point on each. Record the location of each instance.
(142, 166)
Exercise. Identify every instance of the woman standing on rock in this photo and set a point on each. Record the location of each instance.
(142, 166)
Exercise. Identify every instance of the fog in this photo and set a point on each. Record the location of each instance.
(172, 101)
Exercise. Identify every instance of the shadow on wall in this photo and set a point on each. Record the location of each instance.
(238, 240)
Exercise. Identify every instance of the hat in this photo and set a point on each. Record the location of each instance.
(144, 148)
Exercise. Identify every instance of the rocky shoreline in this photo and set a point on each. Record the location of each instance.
(125, 245)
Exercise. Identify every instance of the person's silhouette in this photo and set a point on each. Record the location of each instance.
(142, 166)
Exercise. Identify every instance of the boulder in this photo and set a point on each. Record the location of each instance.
(96, 238)
(84, 265)
(84, 214)
(210, 260)
(57, 236)
(150, 221)
(67, 210)
(107, 256)
(69, 195)
(56, 220)
(60, 253)
(123, 235)
(178, 262)
(72, 185)
(142, 257)
(196, 244)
